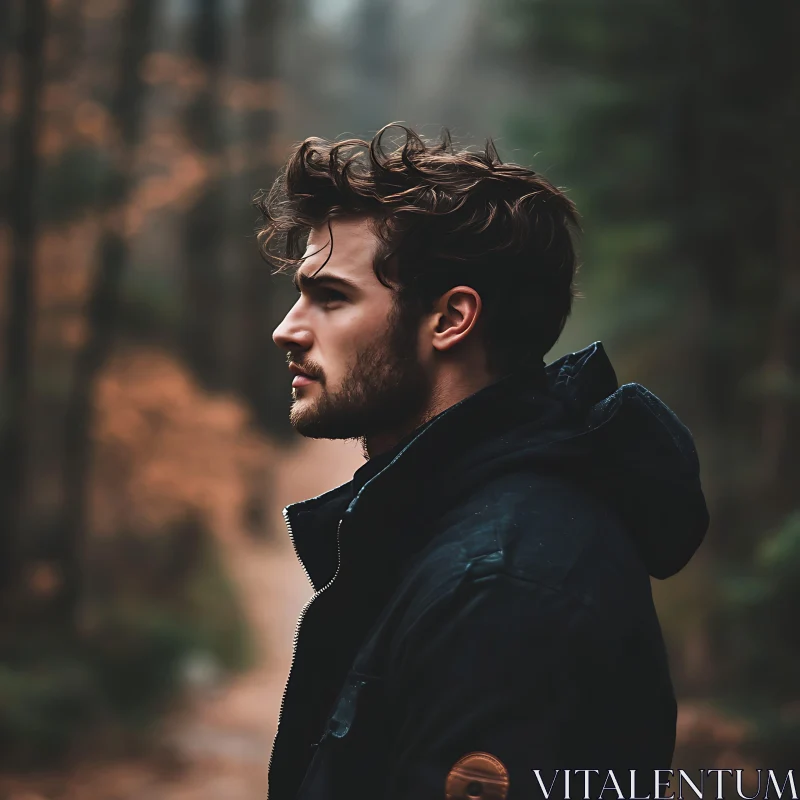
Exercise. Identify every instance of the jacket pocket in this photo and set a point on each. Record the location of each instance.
(351, 748)
(358, 690)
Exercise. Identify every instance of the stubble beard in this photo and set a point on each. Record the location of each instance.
(384, 391)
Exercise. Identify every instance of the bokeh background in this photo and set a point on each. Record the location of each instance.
(149, 589)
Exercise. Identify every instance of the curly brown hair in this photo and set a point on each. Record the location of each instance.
(443, 218)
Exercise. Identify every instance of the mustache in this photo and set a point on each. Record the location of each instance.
(311, 368)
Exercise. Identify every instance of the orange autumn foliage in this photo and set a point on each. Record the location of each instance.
(165, 448)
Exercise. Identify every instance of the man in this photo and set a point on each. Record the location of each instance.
(482, 603)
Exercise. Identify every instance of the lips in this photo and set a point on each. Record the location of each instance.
(300, 378)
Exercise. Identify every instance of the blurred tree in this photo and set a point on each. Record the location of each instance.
(104, 298)
(780, 465)
(262, 374)
(205, 289)
(6, 27)
(68, 32)
(376, 66)
(15, 402)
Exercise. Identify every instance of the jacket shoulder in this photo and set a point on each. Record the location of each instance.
(558, 533)
(543, 530)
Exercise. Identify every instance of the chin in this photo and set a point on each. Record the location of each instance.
(307, 421)
(302, 416)
(309, 428)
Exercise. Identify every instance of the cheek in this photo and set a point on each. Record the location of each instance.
(341, 335)
(353, 329)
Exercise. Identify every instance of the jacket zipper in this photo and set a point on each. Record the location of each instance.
(300, 619)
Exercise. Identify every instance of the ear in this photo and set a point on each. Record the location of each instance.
(455, 314)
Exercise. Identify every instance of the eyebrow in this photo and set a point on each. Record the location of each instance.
(308, 282)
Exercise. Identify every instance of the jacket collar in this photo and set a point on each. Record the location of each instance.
(417, 472)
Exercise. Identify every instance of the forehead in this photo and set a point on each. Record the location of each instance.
(354, 250)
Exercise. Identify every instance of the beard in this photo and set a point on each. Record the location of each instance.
(384, 390)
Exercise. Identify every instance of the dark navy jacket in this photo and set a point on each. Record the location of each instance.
(485, 588)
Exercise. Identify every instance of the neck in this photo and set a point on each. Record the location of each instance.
(446, 392)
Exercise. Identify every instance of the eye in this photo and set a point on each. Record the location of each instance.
(326, 296)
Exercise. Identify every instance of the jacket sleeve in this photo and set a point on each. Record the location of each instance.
(494, 667)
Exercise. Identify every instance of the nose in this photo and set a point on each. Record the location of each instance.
(293, 333)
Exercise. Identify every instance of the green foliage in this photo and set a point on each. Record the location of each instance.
(70, 186)
(41, 705)
(147, 620)
(766, 597)
(149, 310)
(760, 611)
(779, 553)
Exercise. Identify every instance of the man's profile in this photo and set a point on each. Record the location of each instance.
(482, 603)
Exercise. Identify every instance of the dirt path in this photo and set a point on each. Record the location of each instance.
(221, 743)
(227, 740)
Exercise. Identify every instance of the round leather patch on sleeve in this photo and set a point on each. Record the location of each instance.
(477, 776)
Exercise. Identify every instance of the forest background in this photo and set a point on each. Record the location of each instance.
(148, 590)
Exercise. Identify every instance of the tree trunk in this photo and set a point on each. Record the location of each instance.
(263, 368)
(103, 303)
(780, 467)
(21, 304)
(204, 282)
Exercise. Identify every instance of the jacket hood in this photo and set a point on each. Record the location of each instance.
(641, 457)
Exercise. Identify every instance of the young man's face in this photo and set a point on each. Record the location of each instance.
(355, 361)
